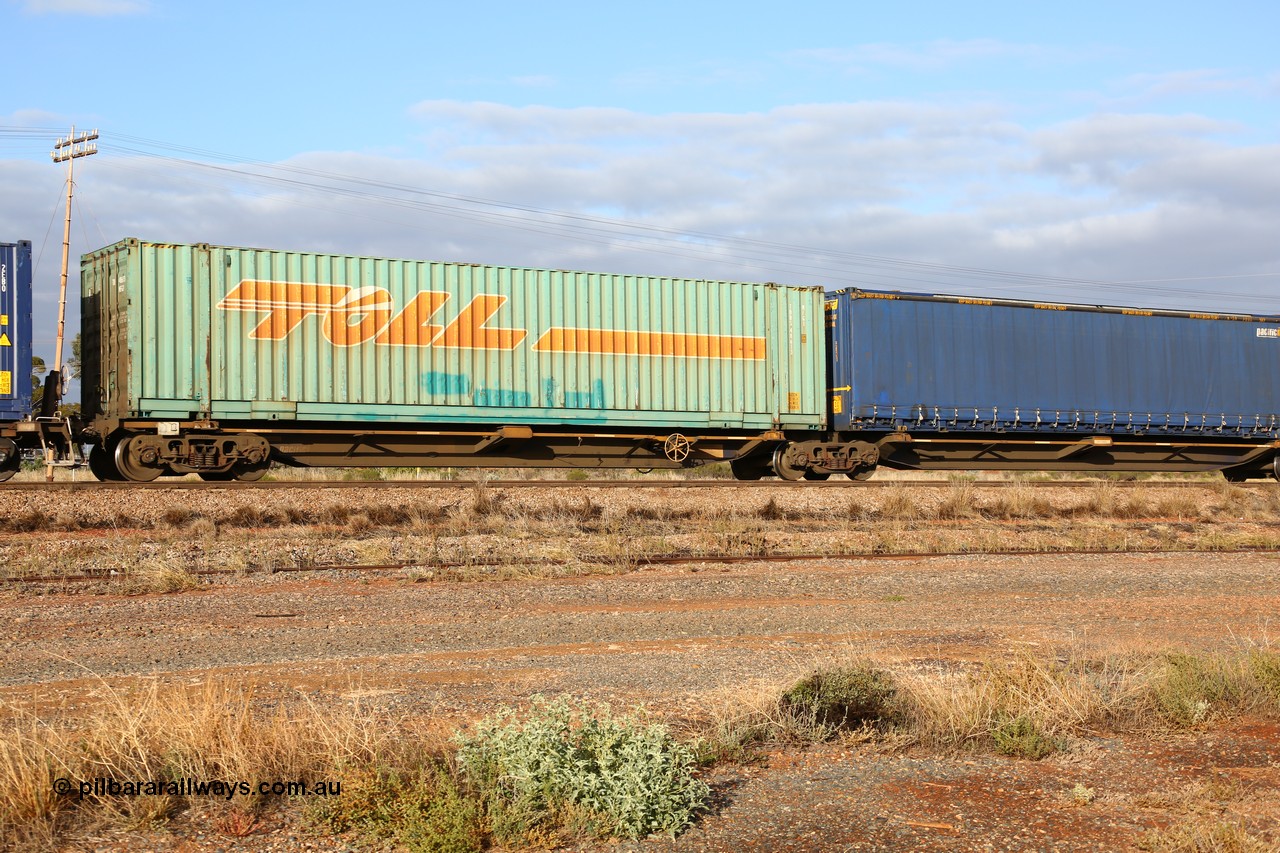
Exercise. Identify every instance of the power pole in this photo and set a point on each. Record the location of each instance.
(66, 150)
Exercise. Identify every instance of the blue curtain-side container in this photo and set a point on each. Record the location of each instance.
(951, 363)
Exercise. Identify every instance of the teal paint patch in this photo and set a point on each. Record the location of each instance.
(445, 383)
(593, 399)
(503, 397)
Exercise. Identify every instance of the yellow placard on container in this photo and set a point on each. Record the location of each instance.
(6, 382)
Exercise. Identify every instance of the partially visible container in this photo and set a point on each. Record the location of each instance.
(235, 334)
(941, 362)
(15, 330)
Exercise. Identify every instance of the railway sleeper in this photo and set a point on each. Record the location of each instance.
(141, 457)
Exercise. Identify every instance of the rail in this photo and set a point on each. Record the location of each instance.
(91, 485)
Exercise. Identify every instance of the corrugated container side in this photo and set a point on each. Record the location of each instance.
(972, 364)
(15, 330)
(249, 333)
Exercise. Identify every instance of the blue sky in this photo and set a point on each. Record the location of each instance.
(263, 79)
(1102, 152)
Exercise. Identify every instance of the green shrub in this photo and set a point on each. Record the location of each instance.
(569, 767)
(1192, 687)
(1021, 737)
(422, 811)
(840, 698)
(1264, 666)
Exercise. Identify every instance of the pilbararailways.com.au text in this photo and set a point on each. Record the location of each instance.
(102, 787)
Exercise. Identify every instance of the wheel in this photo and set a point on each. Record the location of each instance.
(102, 466)
(131, 467)
(861, 474)
(10, 466)
(250, 473)
(746, 469)
(783, 468)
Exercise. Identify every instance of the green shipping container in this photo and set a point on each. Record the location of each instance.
(232, 334)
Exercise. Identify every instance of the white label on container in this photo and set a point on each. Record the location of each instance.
(1264, 332)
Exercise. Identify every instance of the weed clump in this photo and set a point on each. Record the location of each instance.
(568, 767)
(387, 515)
(1021, 503)
(245, 516)
(1264, 667)
(177, 516)
(1022, 737)
(840, 698)
(484, 502)
(772, 511)
(899, 505)
(960, 502)
(422, 809)
(1191, 688)
(28, 522)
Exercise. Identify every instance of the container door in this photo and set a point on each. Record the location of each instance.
(114, 283)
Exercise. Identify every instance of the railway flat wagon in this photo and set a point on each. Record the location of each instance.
(217, 360)
(950, 382)
(15, 351)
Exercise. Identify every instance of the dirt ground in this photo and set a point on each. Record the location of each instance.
(682, 639)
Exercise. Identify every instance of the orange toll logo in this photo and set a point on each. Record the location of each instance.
(350, 316)
(357, 315)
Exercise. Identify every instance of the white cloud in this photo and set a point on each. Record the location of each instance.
(1190, 82)
(1102, 148)
(1109, 196)
(1148, 91)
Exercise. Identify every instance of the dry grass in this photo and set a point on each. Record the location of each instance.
(1022, 502)
(1204, 835)
(158, 575)
(1026, 706)
(959, 502)
(899, 505)
(215, 731)
(1207, 821)
(387, 780)
(491, 526)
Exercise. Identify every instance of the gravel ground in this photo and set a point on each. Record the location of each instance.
(647, 636)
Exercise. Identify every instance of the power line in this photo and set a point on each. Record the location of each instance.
(833, 265)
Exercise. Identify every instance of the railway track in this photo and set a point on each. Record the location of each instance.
(637, 561)
(190, 485)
